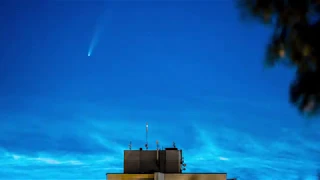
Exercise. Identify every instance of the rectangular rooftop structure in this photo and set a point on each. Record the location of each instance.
(150, 161)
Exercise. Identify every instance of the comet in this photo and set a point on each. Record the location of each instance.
(99, 28)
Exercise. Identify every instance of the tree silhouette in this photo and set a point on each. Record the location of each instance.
(295, 42)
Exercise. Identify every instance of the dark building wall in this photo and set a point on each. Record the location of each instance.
(145, 161)
(162, 161)
(131, 162)
(148, 162)
(173, 159)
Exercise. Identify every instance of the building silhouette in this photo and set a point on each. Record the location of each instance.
(159, 164)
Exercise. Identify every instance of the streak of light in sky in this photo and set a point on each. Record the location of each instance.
(99, 28)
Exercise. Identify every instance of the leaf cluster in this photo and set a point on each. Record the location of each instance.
(295, 42)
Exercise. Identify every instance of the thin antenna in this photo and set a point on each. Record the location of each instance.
(146, 145)
(130, 145)
(157, 142)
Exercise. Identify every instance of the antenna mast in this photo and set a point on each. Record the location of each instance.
(146, 145)
(157, 142)
(130, 145)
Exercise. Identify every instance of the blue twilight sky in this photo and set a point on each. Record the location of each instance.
(193, 71)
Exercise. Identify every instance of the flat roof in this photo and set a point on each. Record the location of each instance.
(168, 173)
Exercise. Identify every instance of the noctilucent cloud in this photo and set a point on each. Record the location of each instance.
(192, 70)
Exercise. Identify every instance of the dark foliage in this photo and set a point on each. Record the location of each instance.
(295, 42)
